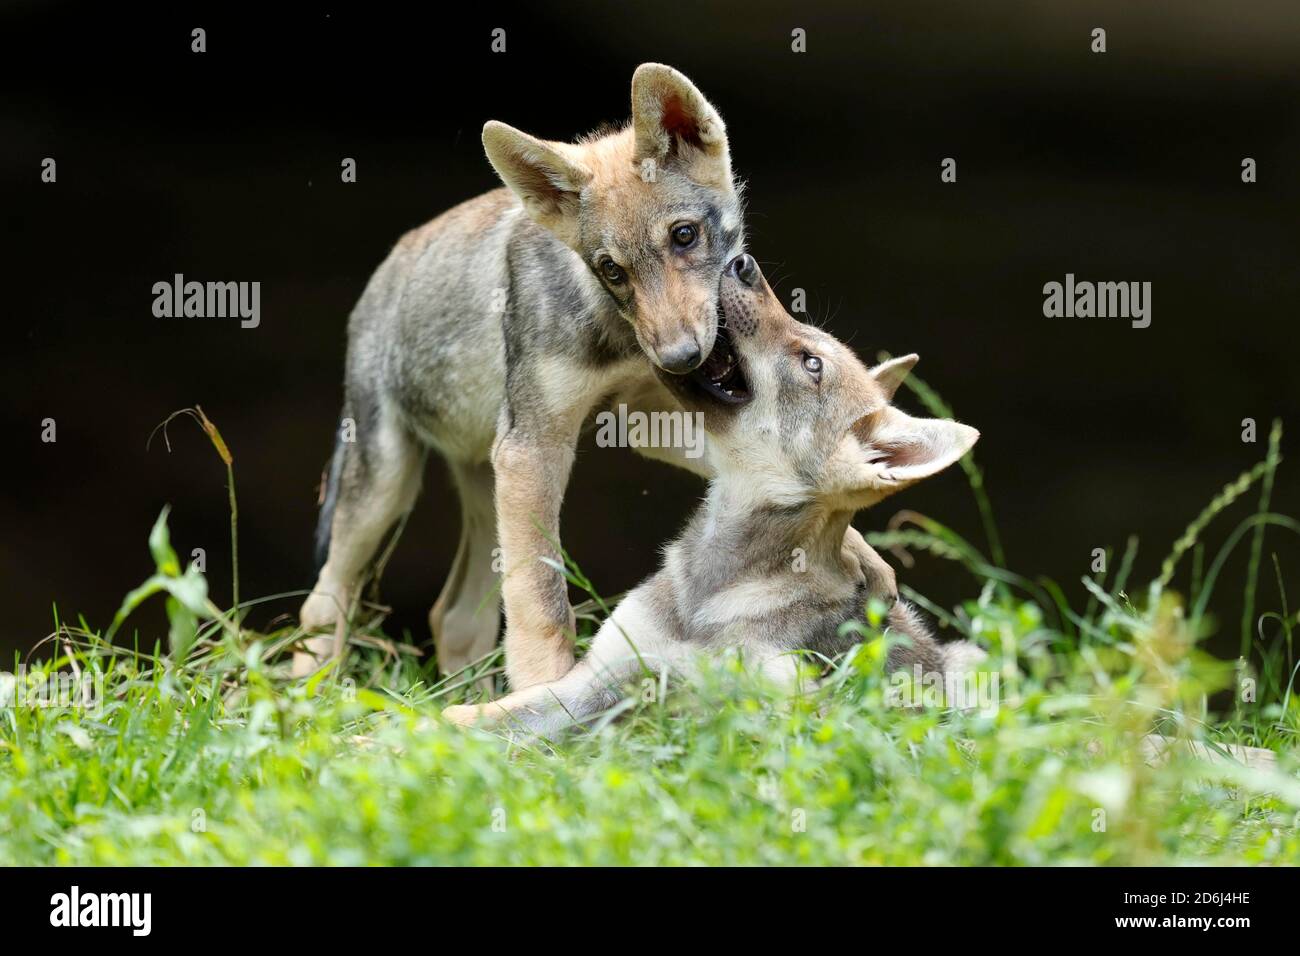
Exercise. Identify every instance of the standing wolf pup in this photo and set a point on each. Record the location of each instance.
(491, 333)
(815, 440)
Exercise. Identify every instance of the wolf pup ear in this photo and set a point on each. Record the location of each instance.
(900, 450)
(889, 375)
(675, 124)
(548, 183)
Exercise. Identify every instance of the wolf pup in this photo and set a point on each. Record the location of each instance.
(801, 436)
(490, 334)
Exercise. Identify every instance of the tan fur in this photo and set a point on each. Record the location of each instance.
(539, 640)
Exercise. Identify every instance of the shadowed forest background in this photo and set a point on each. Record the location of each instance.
(1123, 166)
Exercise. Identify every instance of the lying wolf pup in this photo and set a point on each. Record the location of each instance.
(760, 565)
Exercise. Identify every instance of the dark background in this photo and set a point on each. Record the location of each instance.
(225, 166)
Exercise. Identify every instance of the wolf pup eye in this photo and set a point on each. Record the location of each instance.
(684, 235)
(612, 271)
(813, 366)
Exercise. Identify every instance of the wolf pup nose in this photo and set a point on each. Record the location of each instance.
(681, 359)
(744, 268)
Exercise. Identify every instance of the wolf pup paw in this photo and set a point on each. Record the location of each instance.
(462, 715)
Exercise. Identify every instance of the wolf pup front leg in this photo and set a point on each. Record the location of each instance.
(532, 472)
(634, 642)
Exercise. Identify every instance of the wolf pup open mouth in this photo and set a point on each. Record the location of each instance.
(720, 375)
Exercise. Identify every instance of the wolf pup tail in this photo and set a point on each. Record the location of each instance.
(325, 521)
(961, 659)
(956, 661)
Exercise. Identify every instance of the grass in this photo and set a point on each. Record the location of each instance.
(202, 751)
